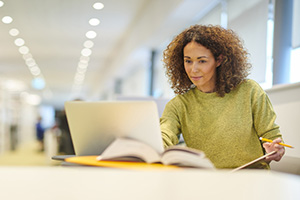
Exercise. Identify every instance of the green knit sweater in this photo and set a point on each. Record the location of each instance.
(226, 128)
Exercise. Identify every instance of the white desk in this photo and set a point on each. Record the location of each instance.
(88, 183)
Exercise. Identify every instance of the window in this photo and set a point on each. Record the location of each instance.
(295, 65)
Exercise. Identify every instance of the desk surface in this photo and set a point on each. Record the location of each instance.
(36, 183)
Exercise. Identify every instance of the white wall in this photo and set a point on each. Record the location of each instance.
(286, 103)
(137, 81)
(251, 26)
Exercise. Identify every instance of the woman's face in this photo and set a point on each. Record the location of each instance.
(200, 66)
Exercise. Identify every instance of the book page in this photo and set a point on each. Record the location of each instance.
(129, 149)
(186, 157)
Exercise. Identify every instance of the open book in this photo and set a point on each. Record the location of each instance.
(126, 149)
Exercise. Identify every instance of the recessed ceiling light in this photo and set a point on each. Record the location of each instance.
(94, 22)
(24, 50)
(19, 42)
(7, 19)
(1, 3)
(91, 34)
(30, 62)
(86, 52)
(84, 59)
(81, 70)
(79, 77)
(98, 6)
(35, 70)
(88, 44)
(14, 32)
(27, 56)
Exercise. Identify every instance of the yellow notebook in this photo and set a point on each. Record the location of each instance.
(92, 161)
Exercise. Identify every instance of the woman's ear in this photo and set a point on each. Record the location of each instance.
(219, 60)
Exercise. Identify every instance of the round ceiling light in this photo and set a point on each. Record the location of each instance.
(98, 6)
(94, 22)
(7, 20)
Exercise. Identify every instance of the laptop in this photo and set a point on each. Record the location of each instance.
(94, 125)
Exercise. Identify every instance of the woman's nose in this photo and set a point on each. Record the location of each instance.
(195, 67)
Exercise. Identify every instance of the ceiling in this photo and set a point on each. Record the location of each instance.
(54, 31)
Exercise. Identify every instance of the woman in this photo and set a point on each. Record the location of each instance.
(216, 108)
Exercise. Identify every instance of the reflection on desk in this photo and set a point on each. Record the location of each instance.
(36, 183)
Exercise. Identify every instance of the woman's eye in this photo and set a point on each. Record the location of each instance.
(188, 61)
(202, 61)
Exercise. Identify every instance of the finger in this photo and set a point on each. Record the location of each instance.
(278, 146)
(277, 156)
(275, 146)
(270, 157)
(273, 157)
(266, 145)
(277, 140)
(281, 152)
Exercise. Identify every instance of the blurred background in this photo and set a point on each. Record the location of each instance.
(53, 51)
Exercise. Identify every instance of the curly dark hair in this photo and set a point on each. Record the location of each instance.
(234, 67)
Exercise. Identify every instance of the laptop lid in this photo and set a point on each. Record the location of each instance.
(94, 125)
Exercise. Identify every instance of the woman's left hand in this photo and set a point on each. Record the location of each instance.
(274, 146)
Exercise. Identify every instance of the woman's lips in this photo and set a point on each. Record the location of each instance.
(196, 78)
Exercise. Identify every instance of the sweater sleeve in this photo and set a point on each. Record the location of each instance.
(170, 125)
(264, 116)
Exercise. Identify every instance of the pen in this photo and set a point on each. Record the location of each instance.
(267, 140)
